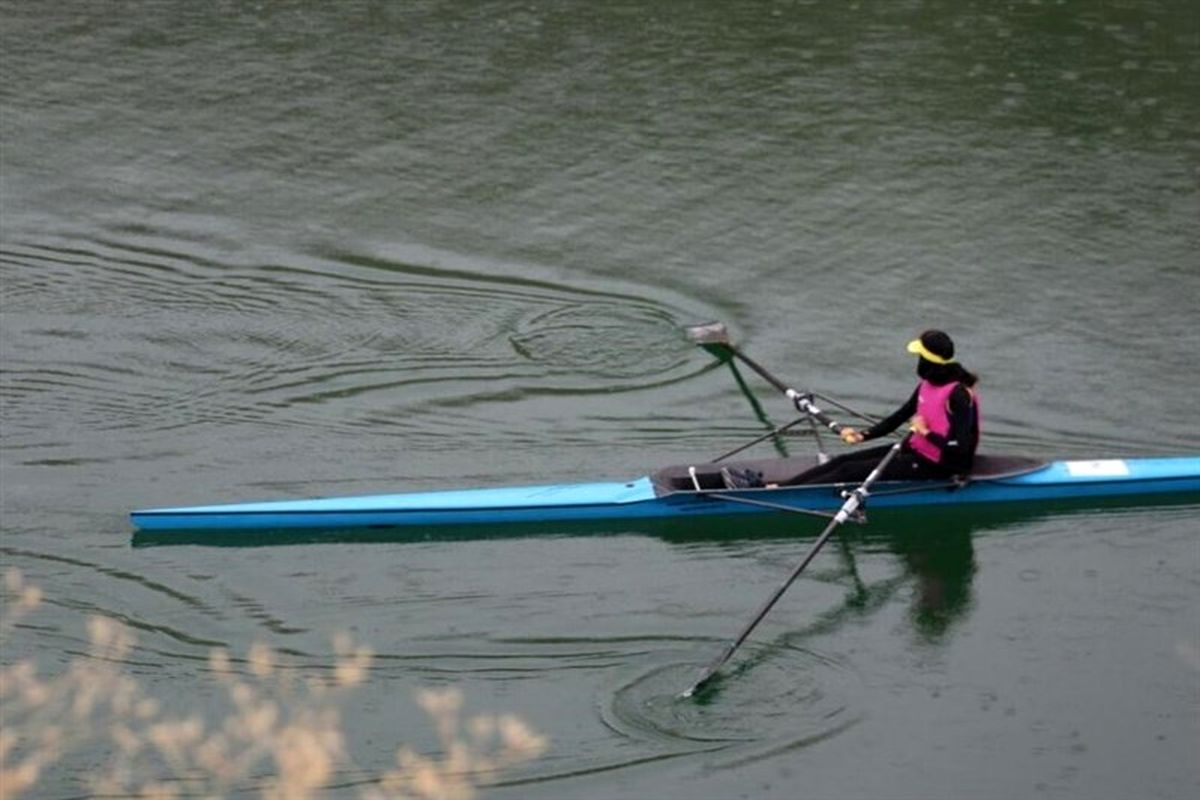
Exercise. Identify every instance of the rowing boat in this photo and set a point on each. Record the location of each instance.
(695, 491)
(702, 490)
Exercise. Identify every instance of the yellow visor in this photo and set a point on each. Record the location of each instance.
(917, 348)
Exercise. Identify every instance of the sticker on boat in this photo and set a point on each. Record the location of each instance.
(1104, 468)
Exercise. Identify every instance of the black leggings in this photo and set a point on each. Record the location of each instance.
(854, 467)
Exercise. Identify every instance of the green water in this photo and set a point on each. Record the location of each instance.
(294, 248)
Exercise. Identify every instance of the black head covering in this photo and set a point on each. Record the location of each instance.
(940, 344)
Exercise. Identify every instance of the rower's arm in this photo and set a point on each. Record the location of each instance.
(900, 416)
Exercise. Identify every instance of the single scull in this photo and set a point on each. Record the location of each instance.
(698, 490)
(671, 493)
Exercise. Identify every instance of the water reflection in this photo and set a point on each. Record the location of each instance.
(934, 547)
(941, 561)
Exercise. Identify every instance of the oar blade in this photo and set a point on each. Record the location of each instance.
(708, 333)
(714, 338)
(704, 681)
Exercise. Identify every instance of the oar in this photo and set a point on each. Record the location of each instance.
(759, 411)
(714, 337)
(855, 499)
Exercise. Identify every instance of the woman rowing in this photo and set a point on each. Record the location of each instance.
(942, 413)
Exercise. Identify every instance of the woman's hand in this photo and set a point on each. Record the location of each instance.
(851, 436)
(917, 425)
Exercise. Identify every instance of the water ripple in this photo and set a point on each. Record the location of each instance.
(795, 698)
(121, 332)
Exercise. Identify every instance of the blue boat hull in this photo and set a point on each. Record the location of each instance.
(646, 499)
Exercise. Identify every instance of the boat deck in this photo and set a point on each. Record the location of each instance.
(788, 471)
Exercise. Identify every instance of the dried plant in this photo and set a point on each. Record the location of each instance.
(490, 745)
(282, 723)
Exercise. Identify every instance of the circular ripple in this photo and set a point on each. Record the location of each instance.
(601, 338)
(205, 340)
(776, 697)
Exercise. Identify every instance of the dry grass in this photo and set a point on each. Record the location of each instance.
(280, 723)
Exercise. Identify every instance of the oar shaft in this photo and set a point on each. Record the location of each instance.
(803, 402)
(759, 368)
(852, 504)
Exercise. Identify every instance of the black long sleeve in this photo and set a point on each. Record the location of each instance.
(898, 417)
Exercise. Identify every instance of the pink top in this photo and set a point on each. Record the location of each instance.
(933, 405)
